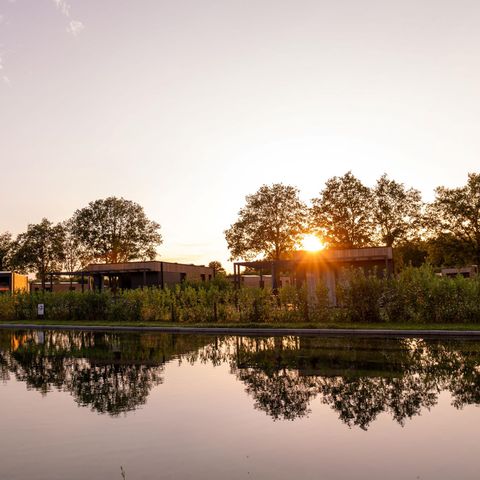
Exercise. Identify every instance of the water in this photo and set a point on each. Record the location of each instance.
(79, 405)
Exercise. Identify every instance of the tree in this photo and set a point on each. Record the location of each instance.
(270, 224)
(5, 250)
(116, 230)
(76, 256)
(447, 250)
(217, 266)
(411, 253)
(396, 211)
(40, 249)
(455, 215)
(342, 215)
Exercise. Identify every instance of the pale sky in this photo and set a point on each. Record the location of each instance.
(187, 106)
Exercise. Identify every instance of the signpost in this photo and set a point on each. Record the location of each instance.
(41, 310)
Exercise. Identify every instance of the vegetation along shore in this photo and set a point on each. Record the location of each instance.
(416, 296)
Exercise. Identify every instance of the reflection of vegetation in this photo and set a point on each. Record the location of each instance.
(110, 373)
(359, 378)
(283, 395)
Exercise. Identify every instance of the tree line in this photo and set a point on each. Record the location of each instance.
(109, 230)
(346, 214)
(349, 214)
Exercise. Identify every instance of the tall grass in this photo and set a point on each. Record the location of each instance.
(416, 295)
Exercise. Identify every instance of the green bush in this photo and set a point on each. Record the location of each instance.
(416, 295)
(359, 294)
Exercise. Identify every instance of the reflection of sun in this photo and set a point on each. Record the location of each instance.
(312, 243)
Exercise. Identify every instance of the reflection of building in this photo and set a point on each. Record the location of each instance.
(146, 274)
(13, 282)
(310, 269)
(467, 272)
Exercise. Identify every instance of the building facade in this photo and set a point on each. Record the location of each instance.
(130, 275)
(13, 282)
(307, 268)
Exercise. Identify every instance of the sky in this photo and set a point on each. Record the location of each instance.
(188, 106)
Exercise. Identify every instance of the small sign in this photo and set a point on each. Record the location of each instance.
(41, 309)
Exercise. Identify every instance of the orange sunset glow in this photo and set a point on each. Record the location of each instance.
(311, 243)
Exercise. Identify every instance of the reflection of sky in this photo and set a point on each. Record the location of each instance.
(188, 106)
(201, 424)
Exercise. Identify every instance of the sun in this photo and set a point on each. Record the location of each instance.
(311, 243)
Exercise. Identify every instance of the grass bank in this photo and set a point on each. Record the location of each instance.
(263, 326)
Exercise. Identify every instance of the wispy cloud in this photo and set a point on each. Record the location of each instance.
(4, 77)
(74, 27)
(63, 6)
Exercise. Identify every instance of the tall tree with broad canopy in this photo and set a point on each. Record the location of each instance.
(271, 224)
(342, 214)
(76, 255)
(397, 211)
(6, 244)
(455, 214)
(40, 249)
(116, 230)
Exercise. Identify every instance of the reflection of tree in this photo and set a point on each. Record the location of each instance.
(359, 401)
(110, 373)
(4, 372)
(458, 366)
(283, 395)
(359, 378)
(112, 388)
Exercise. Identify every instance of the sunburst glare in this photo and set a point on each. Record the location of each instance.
(312, 243)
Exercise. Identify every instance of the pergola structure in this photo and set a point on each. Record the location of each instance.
(138, 274)
(309, 267)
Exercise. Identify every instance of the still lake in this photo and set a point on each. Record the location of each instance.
(80, 405)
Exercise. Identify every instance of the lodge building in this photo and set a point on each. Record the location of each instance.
(311, 268)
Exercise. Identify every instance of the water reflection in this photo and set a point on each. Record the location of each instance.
(107, 372)
(359, 378)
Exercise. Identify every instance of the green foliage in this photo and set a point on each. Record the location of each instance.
(6, 245)
(418, 295)
(115, 230)
(410, 253)
(415, 296)
(397, 211)
(7, 307)
(342, 215)
(270, 224)
(39, 249)
(454, 216)
(359, 294)
(217, 267)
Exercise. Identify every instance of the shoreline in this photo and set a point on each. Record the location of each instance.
(331, 332)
